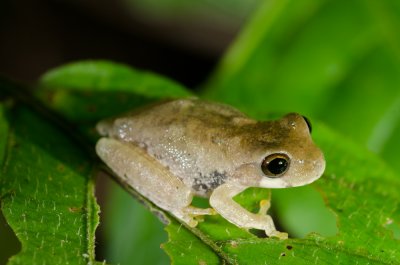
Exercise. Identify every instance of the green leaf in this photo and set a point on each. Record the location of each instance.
(361, 191)
(9, 243)
(131, 232)
(88, 91)
(216, 240)
(302, 211)
(46, 192)
(186, 248)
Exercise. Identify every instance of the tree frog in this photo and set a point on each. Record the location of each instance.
(178, 149)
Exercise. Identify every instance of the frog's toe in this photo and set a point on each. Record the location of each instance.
(192, 222)
(189, 220)
(194, 211)
(280, 235)
(264, 206)
(199, 218)
(192, 215)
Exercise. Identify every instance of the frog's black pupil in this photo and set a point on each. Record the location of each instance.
(308, 123)
(277, 166)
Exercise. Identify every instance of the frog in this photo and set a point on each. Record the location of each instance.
(170, 152)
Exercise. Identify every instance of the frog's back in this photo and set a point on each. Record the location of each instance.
(174, 118)
(182, 112)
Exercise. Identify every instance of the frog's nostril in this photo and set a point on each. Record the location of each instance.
(275, 165)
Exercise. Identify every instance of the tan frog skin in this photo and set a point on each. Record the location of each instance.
(175, 150)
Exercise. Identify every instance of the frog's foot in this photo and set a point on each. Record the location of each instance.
(277, 234)
(264, 206)
(186, 218)
(268, 226)
(198, 213)
(194, 211)
(192, 215)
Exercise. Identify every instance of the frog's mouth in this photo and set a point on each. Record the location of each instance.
(274, 183)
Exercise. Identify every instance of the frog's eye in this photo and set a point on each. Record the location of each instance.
(308, 123)
(275, 165)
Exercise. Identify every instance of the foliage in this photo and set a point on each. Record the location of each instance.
(46, 190)
(334, 61)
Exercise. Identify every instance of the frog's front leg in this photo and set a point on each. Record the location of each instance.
(135, 167)
(221, 200)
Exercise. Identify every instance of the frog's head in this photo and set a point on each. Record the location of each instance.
(284, 154)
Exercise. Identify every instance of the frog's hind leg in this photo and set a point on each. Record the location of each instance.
(135, 167)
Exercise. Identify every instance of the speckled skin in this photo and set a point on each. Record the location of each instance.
(174, 150)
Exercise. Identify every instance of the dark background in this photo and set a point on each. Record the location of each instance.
(39, 35)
